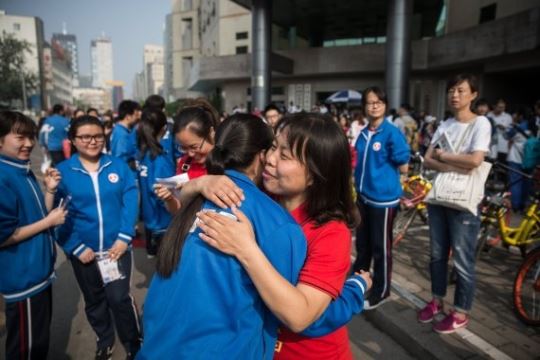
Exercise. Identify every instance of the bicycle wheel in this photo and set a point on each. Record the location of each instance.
(402, 222)
(527, 290)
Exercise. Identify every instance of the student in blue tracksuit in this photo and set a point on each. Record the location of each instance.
(97, 235)
(168, 141)
(54, 132)
(205, 306)
(123, 138)
(153, 162)
(382, 155)
(27, 251)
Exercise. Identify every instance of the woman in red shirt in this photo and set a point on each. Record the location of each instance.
(308, 170)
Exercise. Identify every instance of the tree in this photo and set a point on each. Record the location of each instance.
(12, 71)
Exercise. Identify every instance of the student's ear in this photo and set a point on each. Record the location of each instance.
(212, 133)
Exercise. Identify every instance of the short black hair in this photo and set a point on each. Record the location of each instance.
(57, 108)
(461, 78)
(272, 107)
(127, 107)
(18, 123)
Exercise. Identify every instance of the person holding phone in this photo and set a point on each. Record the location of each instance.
(27, 252)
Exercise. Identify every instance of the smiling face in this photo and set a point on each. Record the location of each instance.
(17, 146)
(284, 175)
(89, 141)
(194, 145)
(375, 107)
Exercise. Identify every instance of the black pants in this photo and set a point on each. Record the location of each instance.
(56, 157)
(374, 242)
(100, 300)
(153, 239)
(28, 327)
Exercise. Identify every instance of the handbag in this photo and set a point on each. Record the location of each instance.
(460, 191)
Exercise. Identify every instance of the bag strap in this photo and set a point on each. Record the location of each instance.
(465, 133)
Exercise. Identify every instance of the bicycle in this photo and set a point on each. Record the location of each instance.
(415, 189)
(526, 294)
(494, 214)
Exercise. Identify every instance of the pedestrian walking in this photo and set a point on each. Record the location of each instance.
(53, 133)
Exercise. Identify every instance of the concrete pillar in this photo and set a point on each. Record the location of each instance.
(398, 51)
(261, 31)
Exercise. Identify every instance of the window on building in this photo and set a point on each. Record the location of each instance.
(241, 49)
(16, 27)
(488, 13)
(241, 35)
(278, 90)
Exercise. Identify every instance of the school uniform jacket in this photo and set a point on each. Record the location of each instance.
(103, 206)
(379, 155)
(26, 268)
(155, 215)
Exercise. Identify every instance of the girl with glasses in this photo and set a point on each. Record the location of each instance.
(100, 192)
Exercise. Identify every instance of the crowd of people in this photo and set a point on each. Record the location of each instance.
(250, 218)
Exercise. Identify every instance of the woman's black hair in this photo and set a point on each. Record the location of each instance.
(199, 116)
(380, 93)
(239, 140)
(461, 78)
(152, 123)
(77, 123)
(320, 144)
(18, 123)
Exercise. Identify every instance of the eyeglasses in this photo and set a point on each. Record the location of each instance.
(87, 139)
(193, 147)
(374, 104)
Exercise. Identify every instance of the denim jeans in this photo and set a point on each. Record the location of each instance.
(519, 187)
(456, 230)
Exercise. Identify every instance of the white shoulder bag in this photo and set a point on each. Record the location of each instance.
(459, 191)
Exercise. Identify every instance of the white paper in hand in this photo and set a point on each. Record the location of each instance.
(173, 181)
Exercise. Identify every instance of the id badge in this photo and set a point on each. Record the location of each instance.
(109, 269)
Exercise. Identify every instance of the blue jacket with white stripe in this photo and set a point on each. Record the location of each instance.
(26, 268)
(379, 155)
(103, 205)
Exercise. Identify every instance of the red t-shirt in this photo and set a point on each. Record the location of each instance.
(194, 171)
(326, 267)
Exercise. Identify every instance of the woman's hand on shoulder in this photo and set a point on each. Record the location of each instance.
(220, 189)
(226, 234)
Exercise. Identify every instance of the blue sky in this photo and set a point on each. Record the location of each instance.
(129, 23)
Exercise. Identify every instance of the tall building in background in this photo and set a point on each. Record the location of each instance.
(69, 43)
(153, 69)
(101, 62)
(117, 92)
(167, 59)
(29, 29)
(62, 76)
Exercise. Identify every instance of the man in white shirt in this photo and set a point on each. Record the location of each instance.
(502, 121)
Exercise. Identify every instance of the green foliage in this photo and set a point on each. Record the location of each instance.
(12, 53)
(172, 108)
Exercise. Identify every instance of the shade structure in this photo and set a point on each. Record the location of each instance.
(344, 96)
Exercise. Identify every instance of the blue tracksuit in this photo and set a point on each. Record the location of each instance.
(209, 308)
(379, 155)
(26, 268)
(155, 215)
(53, 132)
(123, 143)
(103, 207)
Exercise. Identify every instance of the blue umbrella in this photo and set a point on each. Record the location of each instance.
(344, 96)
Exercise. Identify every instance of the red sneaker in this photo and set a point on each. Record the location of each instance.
(427, 314)
(450, 324)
